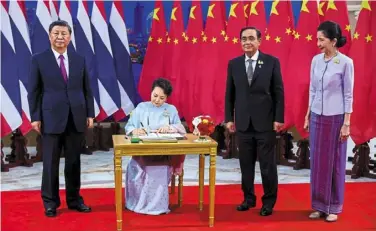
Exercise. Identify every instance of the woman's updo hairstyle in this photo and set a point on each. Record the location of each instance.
(332, 30)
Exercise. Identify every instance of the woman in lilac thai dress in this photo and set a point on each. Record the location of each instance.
(147, 178)
(328, 121)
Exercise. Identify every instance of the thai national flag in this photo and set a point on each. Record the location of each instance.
(108, 85)
(17, 13)
(123, 63)
(42, 21)
(54, 6)
(65, 14)
(85, 47)
(10, 89)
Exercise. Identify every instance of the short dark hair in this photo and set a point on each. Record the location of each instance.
(332, 30)
(164, 84)
(60, 23)
(258, 32)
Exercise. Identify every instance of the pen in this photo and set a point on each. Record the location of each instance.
(143, 127)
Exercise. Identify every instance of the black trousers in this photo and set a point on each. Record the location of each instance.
(52, 144)
(262, 144)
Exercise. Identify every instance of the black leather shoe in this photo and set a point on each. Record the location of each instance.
(50, 212)
(81, 208)
(266, 211)
(246, 206)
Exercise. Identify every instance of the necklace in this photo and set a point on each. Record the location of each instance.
(326, 59)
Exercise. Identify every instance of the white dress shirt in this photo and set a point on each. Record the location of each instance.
(66, 63)
(254, 60)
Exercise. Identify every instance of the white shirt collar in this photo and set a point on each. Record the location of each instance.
(57, 54)
(254, 57)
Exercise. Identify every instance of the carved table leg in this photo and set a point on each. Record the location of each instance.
(212, 172)
(99, 141)
(20, 150)
(4, 168)
(302, 155)
(118, 190)
(282, 150)
(11, 158)
(361, 162)
(201, 173)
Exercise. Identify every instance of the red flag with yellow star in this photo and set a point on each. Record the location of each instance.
(372, 38)
(211, 64)
(257, 16)
(336, 10)
(296, 82)
(278, 39)
(279, 36)
(173, 49)
(231, 49)
(236, 21)
(361, 51)
(153, 62)
(187, 80)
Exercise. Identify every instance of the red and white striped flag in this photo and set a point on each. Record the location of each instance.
(9, 87)
(17, 12)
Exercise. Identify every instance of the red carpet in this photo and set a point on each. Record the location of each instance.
(23, 210)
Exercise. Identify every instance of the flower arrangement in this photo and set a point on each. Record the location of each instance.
(202, 126)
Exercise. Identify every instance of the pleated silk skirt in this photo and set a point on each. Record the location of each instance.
(328, 163)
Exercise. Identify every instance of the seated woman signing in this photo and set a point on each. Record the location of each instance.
(148, 177)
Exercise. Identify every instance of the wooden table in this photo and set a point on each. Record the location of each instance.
(123, 147)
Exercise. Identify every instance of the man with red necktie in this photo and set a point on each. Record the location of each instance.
(61, 108)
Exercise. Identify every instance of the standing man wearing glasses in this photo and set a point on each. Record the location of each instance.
(254, 107)
(61, 108)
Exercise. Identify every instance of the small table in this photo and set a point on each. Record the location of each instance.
(123, 147)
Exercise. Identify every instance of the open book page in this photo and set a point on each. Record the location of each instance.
(161, 136)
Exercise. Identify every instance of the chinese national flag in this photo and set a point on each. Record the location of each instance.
(373, 52)
(363, 54)
(236, 21)
(278, 41)
(211, 64)
(257, 17)
(298, 74)
(231, 49)
(187, 80)
(153, 66)
(336, 10)
(172, 48)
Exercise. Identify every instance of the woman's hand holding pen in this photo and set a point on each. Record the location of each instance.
(139, 132)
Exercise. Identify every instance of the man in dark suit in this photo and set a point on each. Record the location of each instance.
(61, 108)
(255, 97)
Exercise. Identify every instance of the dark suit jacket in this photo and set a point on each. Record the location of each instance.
(262, 103)
(51, 98)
